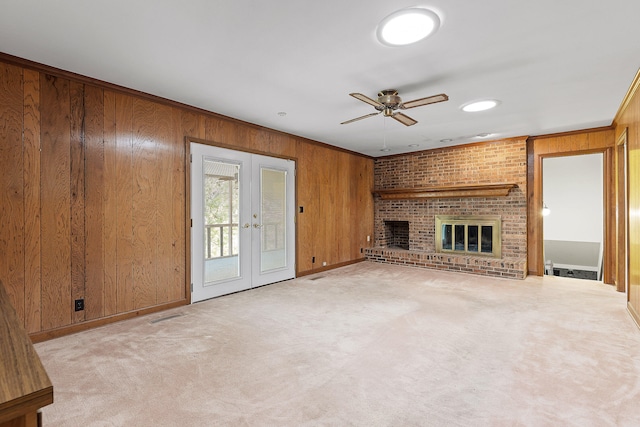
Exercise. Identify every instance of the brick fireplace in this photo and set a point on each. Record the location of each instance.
(476, 180)
(396, 235)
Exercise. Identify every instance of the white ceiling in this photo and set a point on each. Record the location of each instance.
(555, 65)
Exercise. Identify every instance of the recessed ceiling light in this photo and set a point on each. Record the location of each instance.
(385, 149)
(414, 145)
(407, 26)
(446, 140)
(483, 135)
(485, 104)
(282, 113)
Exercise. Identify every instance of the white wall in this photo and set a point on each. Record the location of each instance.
(572, 189)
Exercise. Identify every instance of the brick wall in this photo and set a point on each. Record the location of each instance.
(503, 161)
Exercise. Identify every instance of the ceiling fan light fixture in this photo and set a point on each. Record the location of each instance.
(407, 26)
(475, 106)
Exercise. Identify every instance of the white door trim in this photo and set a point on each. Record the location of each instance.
(251, 274)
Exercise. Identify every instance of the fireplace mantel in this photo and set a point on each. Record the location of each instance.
(455, 191)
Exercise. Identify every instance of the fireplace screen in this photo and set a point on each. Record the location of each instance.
(471, 235)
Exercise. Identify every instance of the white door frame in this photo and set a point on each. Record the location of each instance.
(260, 277)
(251, 274)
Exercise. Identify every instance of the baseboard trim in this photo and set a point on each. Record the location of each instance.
(634, 314)
(329, 267)
(90, 324)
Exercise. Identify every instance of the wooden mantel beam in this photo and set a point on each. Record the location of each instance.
(456, 191)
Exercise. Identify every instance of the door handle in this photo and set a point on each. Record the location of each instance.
(257, 225)
(246, 225)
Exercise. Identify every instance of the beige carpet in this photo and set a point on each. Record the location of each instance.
(365, 345)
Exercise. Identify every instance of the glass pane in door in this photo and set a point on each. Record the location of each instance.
(221, 210)
(273, 250)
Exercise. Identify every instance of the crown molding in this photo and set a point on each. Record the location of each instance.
(628, 97)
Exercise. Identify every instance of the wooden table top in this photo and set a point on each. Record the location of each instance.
(24, 384)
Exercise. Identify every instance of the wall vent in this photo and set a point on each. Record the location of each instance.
(162, 319)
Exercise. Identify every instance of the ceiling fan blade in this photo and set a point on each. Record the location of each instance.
(424, 101)
(404, 119)
(366, 99)
(359, 118)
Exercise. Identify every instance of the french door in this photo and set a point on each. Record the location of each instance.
(242, 211)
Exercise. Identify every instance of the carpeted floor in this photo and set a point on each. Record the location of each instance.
(364, 345)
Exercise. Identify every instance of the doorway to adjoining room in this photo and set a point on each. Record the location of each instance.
(573, 216)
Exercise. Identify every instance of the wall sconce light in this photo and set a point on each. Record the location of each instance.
(545, 210)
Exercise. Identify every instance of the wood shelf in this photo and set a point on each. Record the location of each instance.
(455, 191)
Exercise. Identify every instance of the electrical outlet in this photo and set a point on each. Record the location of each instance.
(324, 263)
(79, 304)
(368, 238)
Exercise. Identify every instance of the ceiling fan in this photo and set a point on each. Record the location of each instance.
(389, 101)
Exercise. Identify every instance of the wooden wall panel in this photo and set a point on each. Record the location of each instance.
(163, 182)
(352, 201)
(308, 191)
(341, 182)
(76, 93)
(221, 131)
(31, 144)
(124, 203)
(289, 145)
(110, 204)
(247, 139)
(145, 206)
(176, 286)
(362, 210)
(278, 145)
(191, 124)
(583, 142)
(534, 198)
(94, 202)
(12, 184)
(55, 202)
(327, 207)
(311, 222)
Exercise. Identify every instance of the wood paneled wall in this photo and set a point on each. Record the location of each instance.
(600, 140)
(93, 197)
(627, 128)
